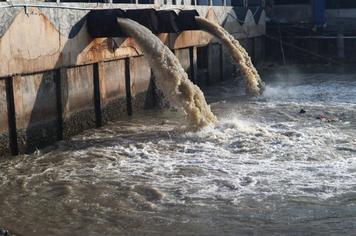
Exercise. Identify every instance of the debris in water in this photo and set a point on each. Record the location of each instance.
(254, 83)
(170, 77)
(302, 111)
(326, 118)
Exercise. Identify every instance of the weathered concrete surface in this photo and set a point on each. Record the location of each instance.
(141, 76)
(112, 90)
(4, 133)
(35, 110)
(77, 91)
(183, 56)
(34, 40)
(44, 39)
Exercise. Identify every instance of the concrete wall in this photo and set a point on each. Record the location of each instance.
(113, 102)
(35, 110)
(77, 91)
(64, 82)
(140, 78)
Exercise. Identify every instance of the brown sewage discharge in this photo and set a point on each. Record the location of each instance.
(170, 77)
(254, 84)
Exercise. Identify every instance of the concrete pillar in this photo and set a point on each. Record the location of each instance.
(128, 86)
(340, 45)
(4, 125)
(193, 64)
(214, 63)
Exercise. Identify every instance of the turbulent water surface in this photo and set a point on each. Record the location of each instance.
(263, 169)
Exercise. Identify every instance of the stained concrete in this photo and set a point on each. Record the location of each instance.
(184, 58)
(112, 90)
(39, 39)
(141, 76)
(4, 132)
(53, 105)
(77, 92)
(36, 110)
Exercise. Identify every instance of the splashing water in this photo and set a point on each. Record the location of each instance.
(170, 77)
(254, 84)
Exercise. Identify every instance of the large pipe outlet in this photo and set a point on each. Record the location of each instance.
(186, 20)
(103, 24)
(145, 17)
(167, 20)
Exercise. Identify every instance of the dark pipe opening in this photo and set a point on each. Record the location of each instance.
(145, 17)
(186, 20)
(167, 21)
(103, 23)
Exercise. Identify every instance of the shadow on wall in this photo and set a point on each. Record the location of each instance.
(45, 124)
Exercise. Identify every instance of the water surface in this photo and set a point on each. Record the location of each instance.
(263, 169)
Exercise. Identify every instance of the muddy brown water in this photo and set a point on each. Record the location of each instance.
(263, 169)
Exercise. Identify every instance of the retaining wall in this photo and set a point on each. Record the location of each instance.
(56, 81)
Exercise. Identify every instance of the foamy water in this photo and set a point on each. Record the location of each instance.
(262, 169)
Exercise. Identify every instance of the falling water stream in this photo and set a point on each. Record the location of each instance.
(254, 83)
(170, 77)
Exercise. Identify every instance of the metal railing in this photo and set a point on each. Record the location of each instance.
(242, 3)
